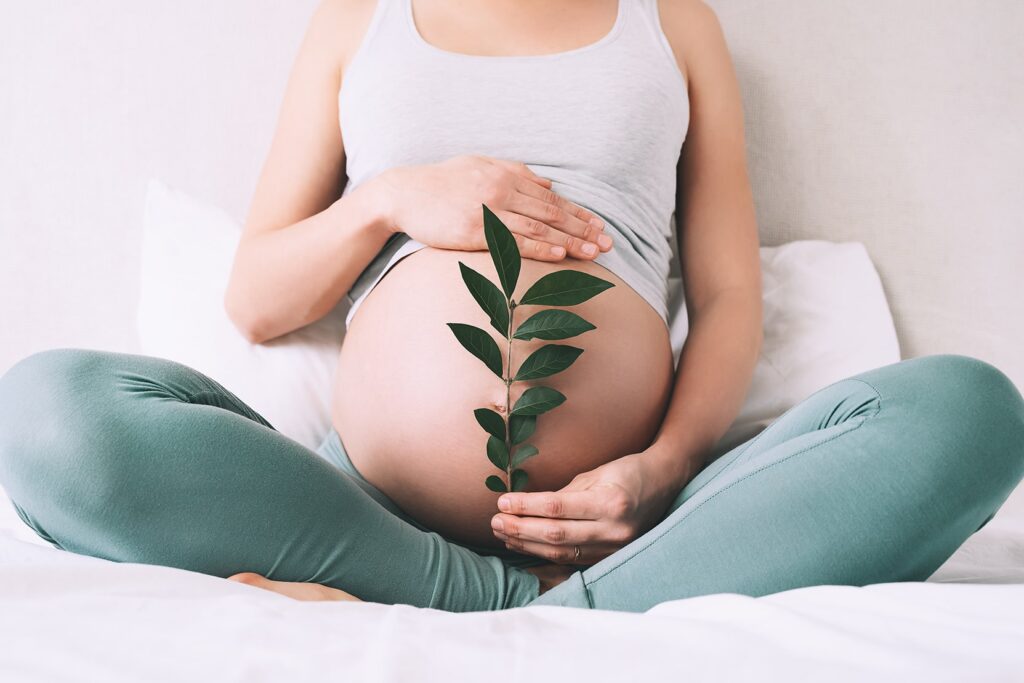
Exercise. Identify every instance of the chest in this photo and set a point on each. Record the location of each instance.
(597, 114)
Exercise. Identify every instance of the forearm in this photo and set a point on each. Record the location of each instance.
(289, 277)
(712, 379)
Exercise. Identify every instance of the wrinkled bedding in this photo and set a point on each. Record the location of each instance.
(70, 617)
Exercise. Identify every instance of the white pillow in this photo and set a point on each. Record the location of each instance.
(187, 250)
(825, 316)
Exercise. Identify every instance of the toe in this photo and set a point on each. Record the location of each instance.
(250, 578)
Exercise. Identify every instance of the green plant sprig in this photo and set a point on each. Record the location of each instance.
(560, 288)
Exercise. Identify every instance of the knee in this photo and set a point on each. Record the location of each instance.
(44, 388)
(975, 384)
(53, 407)
(978, 406)
(45, 372)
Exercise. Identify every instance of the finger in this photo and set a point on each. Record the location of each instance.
(582, 218)
(552, 531)
(526, 232)
(538, 240)
(575, 222)
(585, 504)
(521, 169)
(589, 554)
(579, 218)
(581, 213)
(581, 239)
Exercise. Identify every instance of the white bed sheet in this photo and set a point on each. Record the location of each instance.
(70, 617)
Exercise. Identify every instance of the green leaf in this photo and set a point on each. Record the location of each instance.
(537, 400)
(488, 296)
(504, 251)
(552, 324)
(523, 453)
(495, 483)
(547, 360)
(480, 344)
(492, 422)
(521, 427)
(497, 452)
(564, 288)
(519, 479)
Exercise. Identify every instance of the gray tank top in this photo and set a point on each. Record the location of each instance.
(606, 122)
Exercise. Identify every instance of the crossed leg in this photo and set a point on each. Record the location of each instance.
(135, 458)
(875, 478)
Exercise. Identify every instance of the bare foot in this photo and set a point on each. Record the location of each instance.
(294, 589)
(551, 574)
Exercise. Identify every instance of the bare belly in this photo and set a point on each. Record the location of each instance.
(405, 390)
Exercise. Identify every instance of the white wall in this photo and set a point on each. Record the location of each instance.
(894, 123)
(97, 96)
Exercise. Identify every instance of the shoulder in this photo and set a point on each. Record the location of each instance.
(337, 27)
(695, 34)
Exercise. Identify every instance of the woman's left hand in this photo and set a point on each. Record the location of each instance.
(600, 511)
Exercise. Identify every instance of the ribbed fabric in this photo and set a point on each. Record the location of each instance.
(606, 122)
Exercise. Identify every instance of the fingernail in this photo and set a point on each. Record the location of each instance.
(558, 251)
(597, 223)
(604, 240)
(497, 524)
(504, 505)
(589, 248)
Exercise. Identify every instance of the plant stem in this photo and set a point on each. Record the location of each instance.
(508, 399)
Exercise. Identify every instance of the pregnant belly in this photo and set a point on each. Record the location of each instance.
(405, 390)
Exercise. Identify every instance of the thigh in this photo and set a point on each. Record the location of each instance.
(333, 450)
(878, 477)
(135, 458)
(818, 419)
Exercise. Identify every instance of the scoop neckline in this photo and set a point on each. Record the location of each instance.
(615, 30)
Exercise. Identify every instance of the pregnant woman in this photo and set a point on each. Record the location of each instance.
(402, 119)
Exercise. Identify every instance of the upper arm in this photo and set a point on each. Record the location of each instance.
(304, 171)
(716, 220)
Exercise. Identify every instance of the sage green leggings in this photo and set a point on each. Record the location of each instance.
(875, 478)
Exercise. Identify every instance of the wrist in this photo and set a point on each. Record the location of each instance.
(377, 197)
(672, 467)
(367, 210)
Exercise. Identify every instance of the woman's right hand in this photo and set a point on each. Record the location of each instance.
(439, 205)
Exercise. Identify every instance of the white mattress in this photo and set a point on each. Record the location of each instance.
(70, 617)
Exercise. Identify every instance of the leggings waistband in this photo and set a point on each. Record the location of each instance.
(332, 449)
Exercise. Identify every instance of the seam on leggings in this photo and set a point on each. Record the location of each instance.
(745, 477)
(211, 386)
(786, 412)
(219, 391)
(738, 455)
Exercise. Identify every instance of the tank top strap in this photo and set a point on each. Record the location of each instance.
(649, 18)
(386, 31)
